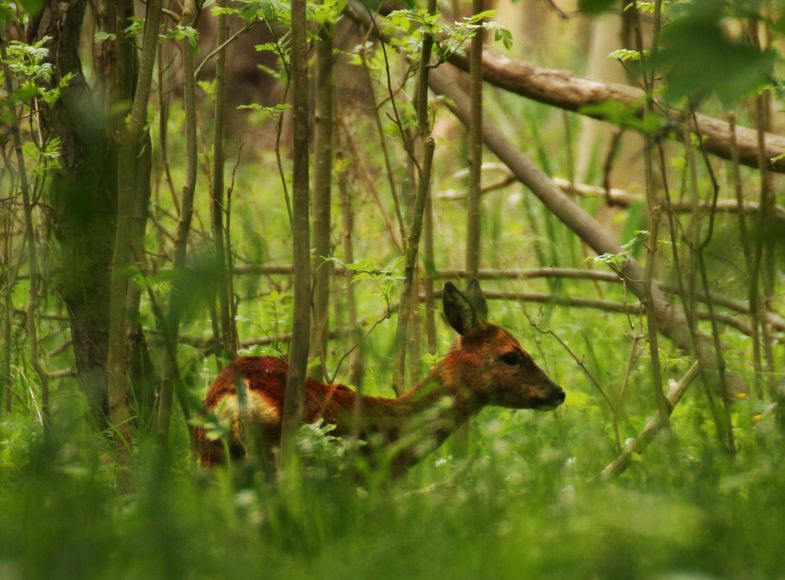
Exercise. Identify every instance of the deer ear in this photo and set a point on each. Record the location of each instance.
(458, 309)
(476, 298)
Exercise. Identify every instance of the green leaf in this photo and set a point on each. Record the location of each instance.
(187, 33)
(623, 114)
(135, 27)
(100, 36)
(626, 55)
(700, 60)
(484, 15)
(32, 6)
(595, 7)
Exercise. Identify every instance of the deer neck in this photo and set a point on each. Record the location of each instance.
(435, 408)
(438, 394)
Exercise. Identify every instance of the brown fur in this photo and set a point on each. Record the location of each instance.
(486, 366)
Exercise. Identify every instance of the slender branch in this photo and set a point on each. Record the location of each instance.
(385, 155)
(412, 247)
(223, 44)
(374, 191)
(646, 436)
(171, 321)
(611, 405)
(324, 121)
(32, 245)
(228, 338)
(614, 197)
(748, 257)
(475, 146)
(715, 333)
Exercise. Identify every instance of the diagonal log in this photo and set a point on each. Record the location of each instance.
(646, 436)
(562, 89)
(671, 319)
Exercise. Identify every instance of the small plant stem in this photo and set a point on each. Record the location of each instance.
(356, 368)
(171, 321)
(646, 436)
(322, 193)
(752, 300)
(715, 334)
(385, 152)
(372, 189)
(410, 263)
(762, 248)
(32, 250)
(473, 249)
(8, 282)
(654, 208)
(228, 338)
(689, 294)
(611, 405)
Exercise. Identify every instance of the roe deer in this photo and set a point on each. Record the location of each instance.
(486, 366)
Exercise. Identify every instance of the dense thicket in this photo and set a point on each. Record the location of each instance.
(183, 182)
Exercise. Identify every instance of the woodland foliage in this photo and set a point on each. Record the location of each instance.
(188, 181)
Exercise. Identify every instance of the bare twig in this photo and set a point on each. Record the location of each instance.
(646, 436)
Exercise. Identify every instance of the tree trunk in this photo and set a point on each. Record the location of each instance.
(475, 149)
(301, 319)
(228, 338)
(81, 200)
(132, 139)
(322, 188)
(171, 374)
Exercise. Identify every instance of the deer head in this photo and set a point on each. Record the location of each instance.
(489, 361)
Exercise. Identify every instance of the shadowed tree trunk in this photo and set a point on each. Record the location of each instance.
(322, 189)
(301, 317)
(81, 199)
(133, 137)
(228, 338)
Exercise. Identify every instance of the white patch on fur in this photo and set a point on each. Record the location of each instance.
(255, 407)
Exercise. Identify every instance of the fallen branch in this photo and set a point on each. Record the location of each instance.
(562, 89)
(646, 436)
(671, 320)
(616, 197)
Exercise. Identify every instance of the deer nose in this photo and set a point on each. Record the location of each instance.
(561, 395)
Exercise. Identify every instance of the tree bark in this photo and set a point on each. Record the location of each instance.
(81, 200)
(132, 139)
(322, 193)
(228, 338)
(301, 319)
(475, 148)
(356, 365)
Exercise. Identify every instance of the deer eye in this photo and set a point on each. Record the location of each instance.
(511, 358)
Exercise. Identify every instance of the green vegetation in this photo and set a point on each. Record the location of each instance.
(86, 494)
